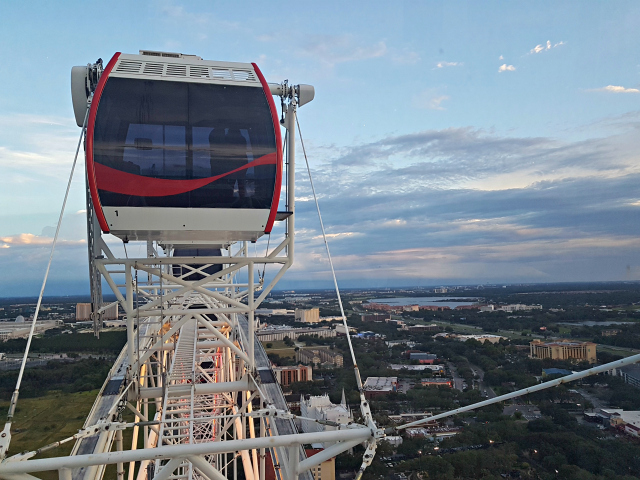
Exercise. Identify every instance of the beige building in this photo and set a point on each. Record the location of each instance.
(310, 315)
(83, 312)
(319, 355)
(326, 470)
(563, 350)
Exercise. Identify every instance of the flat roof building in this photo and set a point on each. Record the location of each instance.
(319, 356)
(378, 386)
(563, 350)
(290, 374)
(437, 382)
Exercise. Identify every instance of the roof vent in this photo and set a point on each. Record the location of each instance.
(152, 53)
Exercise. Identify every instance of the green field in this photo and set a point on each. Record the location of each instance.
(43, 420)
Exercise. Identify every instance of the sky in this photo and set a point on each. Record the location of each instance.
(450, 142)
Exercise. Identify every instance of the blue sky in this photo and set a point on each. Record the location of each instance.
(451, 143)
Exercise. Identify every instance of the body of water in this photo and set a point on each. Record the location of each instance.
(450, 302)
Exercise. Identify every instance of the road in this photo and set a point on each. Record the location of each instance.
(479, 373)
(458, 381)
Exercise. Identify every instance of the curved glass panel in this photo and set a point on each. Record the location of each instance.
(184, 133)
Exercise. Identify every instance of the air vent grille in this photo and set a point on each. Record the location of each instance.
(221, 74)
(127, 66)
(198, 72)
(177, 70)
(185, 70)
(153, 68)
(243, 76)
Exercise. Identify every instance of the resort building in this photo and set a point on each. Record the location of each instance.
(563, 350)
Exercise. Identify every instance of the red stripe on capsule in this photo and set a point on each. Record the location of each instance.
(276, 127)
(117, 181)
(91, 174)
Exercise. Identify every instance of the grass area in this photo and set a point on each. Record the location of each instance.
(43, 420)
(623, 352)
(279, 348)
(283, 352)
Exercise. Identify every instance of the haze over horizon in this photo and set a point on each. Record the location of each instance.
(450, 144)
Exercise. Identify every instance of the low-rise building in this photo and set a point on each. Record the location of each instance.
(630, 374)
(563, 350)
(422, 357)
(434, 369)
(342, 332)
(277, 332)
(319, 356)
(422, 328)
(437, 382)
(287, 375)
(378, 386)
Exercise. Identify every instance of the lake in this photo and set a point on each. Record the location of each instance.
(450, 302)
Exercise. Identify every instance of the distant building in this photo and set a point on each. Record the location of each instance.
(630, 374)
(270, 334)
(517, 307)
(410, 308)
(309, 315)
(440, 290)
(481, 338)
(83, 312)
(437, 382)
(435, 308)
(326, 470)
(422, 357)
(287, 375)
(273, 311)
(341, 331)
(563, 350)
(610, 333)
(435, 369)
(375, 317)
(422, 328)
(382, 307)
(320, 408)
(487, 308)
(393, 440)
(378, 386)
(319, 356)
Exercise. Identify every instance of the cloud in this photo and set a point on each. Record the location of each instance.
(430, 100)
(29, 239)
(615, 89)
(506, 68)
(500, 57)
(448, 64)
(544, 47)
(335, 49)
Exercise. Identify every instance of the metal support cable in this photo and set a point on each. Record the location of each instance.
(333, 273)
(14, 398)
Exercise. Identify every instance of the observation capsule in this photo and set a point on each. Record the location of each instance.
(180, 149)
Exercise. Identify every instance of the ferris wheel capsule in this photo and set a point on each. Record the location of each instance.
(180, 149)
